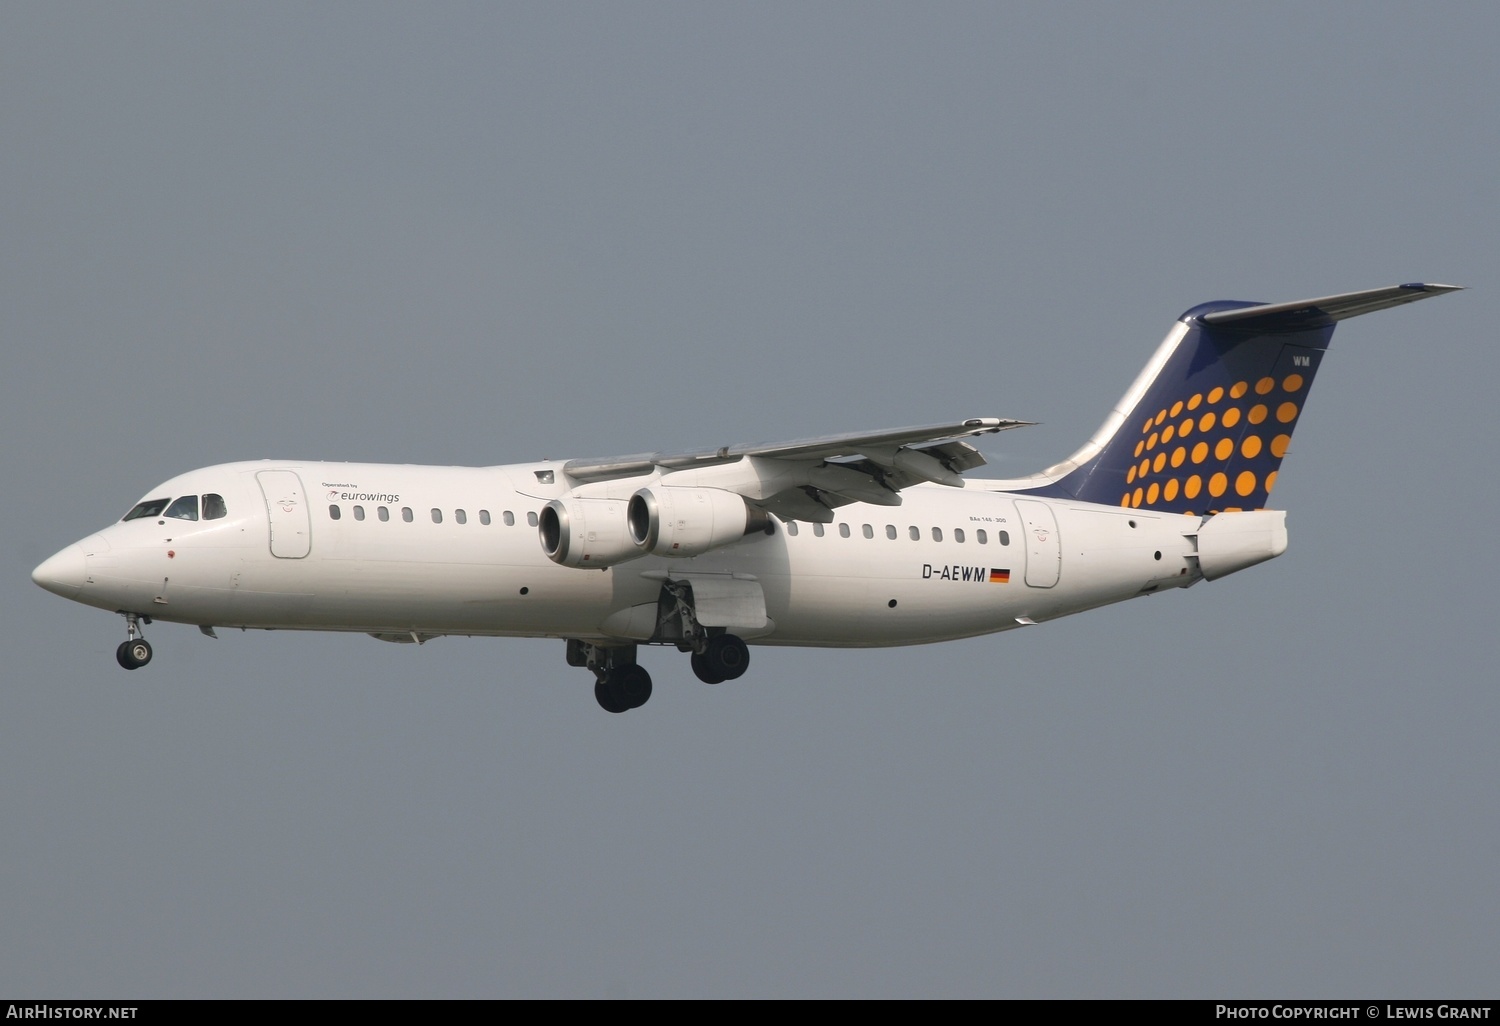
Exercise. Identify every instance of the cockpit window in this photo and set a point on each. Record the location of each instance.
(185, 508)
(149, 508)
(213, 507)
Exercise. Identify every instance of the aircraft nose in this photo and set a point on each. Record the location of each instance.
(63, 574)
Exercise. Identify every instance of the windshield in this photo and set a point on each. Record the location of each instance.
(185, 508)
(149, 508)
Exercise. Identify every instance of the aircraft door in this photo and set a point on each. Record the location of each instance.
(286, 506)
(1043, 547)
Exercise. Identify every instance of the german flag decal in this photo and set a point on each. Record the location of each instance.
(998, 576)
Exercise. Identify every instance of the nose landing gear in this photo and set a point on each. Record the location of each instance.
(135, 651)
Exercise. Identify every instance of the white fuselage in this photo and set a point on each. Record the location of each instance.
(421, 551)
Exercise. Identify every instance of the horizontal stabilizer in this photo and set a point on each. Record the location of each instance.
(1313, 313)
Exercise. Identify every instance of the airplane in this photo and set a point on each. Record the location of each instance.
(856, 540)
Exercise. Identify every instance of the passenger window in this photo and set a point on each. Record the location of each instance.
(937, 534)
(958, 535)
(791, 528)
(460, 516)
(890, 531)
(333, 513)
(149, 508)
(213, 507)
(359, 512)
(1003, 537)
(869, 532)
(383, 513)
(509, 518)
(531, 518)
(185, 508)
(437, 515)
(843, 530)
(406, 513)
(484, 517)
(916, 533)
(818, 530)
(981, 537)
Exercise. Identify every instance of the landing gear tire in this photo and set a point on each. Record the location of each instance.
(701, 670)
(605, 695)
(623, 688)
(633, 684)
(726, 657)
(133, 654)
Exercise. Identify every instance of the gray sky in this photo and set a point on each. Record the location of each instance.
(488, 233)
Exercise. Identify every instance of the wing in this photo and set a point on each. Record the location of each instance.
(808, 478)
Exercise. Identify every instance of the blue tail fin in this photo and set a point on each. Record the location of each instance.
(1205, 426)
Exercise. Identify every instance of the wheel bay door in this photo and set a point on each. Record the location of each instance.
(286, 506)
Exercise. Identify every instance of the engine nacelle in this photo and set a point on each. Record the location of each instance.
(586, 532)
(689, 521)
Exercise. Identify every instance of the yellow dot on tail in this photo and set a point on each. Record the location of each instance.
(1191, 489)
(1176, 408)
(1195, 401)
(1279, 445)
(1239, 389)
(1138, 447)
(1264, 385)
(1215, 395)
(1151, 443)
(1292, 382)
(1207, 421)
(1257, 413)
(1151, 493)
(1217, 484)
(1170, 491)
(1200, 452)
(1271, 481)
(1286, 412)
(1245, 483)
(1224, 448)
(1178, 455)
(1135, 498)
(1231, 416)
(1159, 462)
(1130, 476)
(1250, 447)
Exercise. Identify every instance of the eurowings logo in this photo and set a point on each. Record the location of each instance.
(334, 495)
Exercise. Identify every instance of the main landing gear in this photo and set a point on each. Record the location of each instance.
(722, 657)
(620, 684)
(135, 651)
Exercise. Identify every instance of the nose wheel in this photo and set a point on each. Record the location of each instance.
(133, 654)
(135, 651)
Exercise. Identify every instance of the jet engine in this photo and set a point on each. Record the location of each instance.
(586, 532)
(668, 521)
